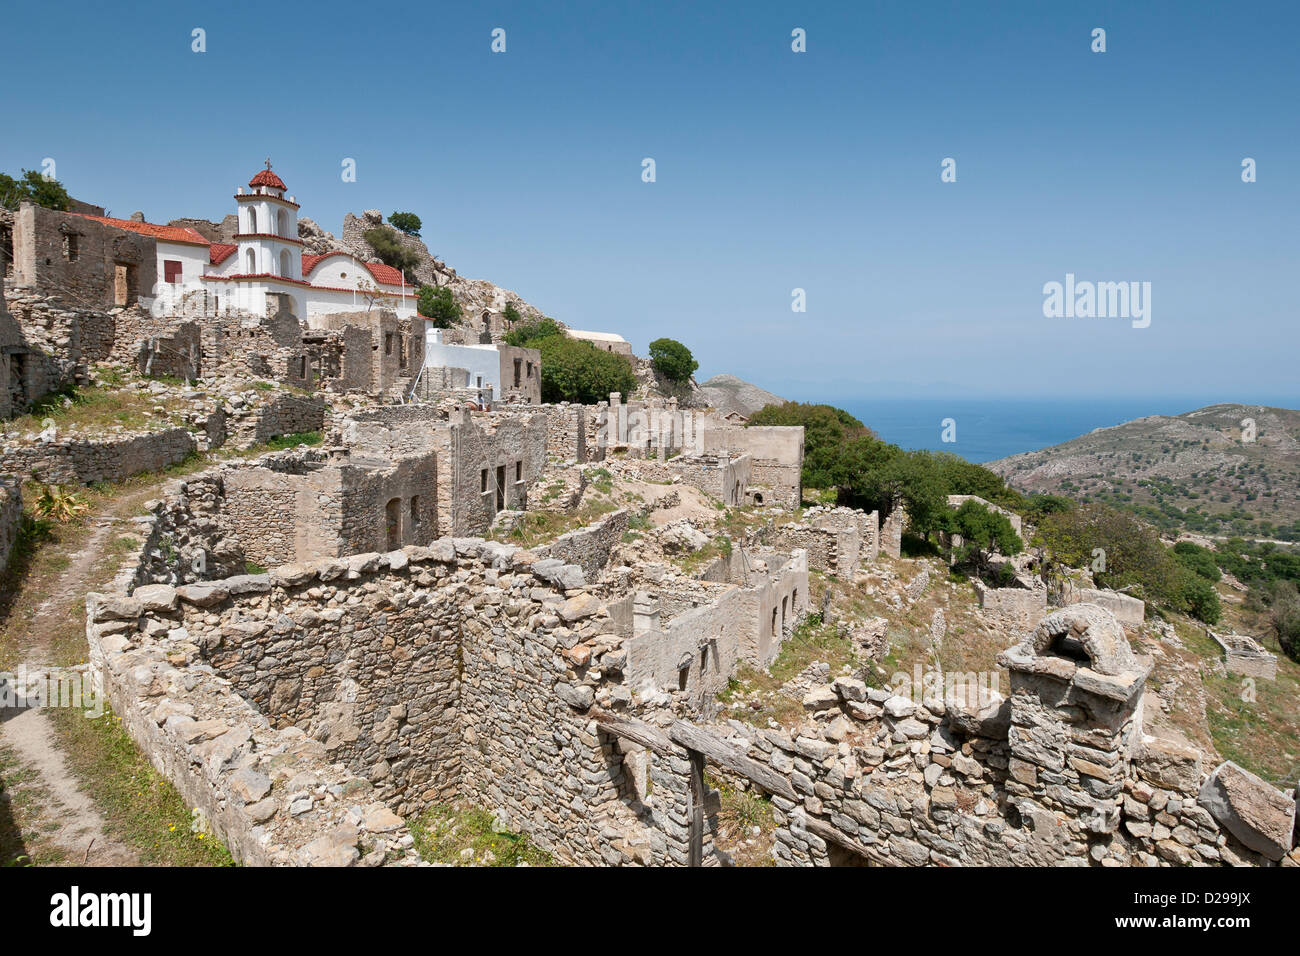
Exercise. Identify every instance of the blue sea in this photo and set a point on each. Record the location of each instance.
(988, 429)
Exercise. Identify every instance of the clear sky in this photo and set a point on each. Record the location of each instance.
(775, 170)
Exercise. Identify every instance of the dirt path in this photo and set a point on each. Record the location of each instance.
(49, 817)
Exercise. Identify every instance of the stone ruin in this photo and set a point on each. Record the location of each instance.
(309, 710)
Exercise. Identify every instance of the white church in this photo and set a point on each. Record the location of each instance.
(267, 260)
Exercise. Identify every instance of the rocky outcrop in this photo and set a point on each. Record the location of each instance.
(475, 296)
(1257, 814)
(727, 393)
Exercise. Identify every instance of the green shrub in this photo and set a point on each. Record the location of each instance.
(530, 334)
(1197, 559)
(407, 222)
(577, 371)
(437, 303)
(985, 532)
(388, 247)
(672, 360)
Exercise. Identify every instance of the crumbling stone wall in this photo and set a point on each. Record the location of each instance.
(486, 461)
(81, 461)
(11, 516)
(86, 264)
(1017, 610)
(691, 650)
(891, 531)
(1058, 774)
(1127, 610)
(476, 639)
(310, 505)
(566, 432)
(589, 547)
(1245, 655)
(776, 453)
(283, 414)
(835, 550)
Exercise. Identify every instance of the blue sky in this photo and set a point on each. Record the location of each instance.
(775, 170)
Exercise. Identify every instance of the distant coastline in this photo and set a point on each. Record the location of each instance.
(993, 428)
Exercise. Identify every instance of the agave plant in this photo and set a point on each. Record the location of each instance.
(59, 505)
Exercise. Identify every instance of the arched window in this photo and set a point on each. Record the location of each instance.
(250, 260)
(252, 219)
(284, 264)
(283, 223)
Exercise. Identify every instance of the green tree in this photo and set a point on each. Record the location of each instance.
(32, 186)
(672, 360)
(826, 431)
(407, 222)
(1197, 559)
(1199, 599)
(1125, 552)
(437, 303)
(985, 533)
(1283, 602)
(512, 314)
(529, 334)
(577, 371)
(388, 247)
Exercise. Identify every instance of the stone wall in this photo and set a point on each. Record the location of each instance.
(566, 432)
(693, 652)
(487, 462)
(891, 531)
(80, 461)
(11, 517)
(1015, 609)
(777, 456)
(87, 264)
(378, 683)
(294, 507)
(589, 547)
(1127, 610)
(834, 550)
(1245, 655)
(306, 710)
(282, 414)
(1058, 774)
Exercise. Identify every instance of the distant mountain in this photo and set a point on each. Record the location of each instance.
(728, 393)
(1196, 471)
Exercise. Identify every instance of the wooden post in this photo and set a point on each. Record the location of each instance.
(696, 854)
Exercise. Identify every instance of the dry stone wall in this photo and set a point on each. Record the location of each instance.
(80, 461)
(399, 662)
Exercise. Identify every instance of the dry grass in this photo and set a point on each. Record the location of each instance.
(89, 410)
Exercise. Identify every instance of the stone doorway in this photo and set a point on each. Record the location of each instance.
(123, 284)
(393, 523)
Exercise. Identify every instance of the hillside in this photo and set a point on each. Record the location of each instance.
(1186, 472)
(728, 393)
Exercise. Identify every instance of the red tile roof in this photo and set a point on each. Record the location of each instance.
(219, 252)
(165, 233)
(265, 177)
(384, 275)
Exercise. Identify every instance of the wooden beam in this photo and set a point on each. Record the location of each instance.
(637, 731)
(695, 853)
(819, 827)
(730, 756)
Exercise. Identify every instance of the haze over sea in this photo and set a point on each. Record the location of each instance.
(992, 428)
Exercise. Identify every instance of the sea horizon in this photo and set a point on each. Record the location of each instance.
(986, 429)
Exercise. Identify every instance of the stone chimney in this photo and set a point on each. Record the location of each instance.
(1076, 718)
(645, 612)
